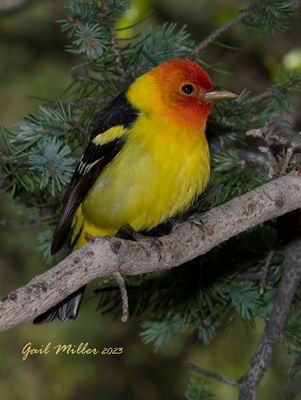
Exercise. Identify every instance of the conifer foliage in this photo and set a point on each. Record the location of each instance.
(38, 156)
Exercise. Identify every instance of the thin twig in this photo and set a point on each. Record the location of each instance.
(259, 276)
(287, 160)
(278, 134)
(114, 46)
(90, 101)
(292, 375)
(263, 160)
(12, 6)
(206, 42)
(242, 16)
(266, 94)
(212, 375)
(274, 328)
(124, 296)
(117, 55)
(264, 272)
(296, 3)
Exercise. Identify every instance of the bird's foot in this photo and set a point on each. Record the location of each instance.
(89, 237)
(195, 222)
(192, 220)
(128, 233)
(174, 223)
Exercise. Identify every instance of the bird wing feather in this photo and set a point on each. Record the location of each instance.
(112, 127)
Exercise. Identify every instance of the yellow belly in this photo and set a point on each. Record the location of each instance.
(158, 173)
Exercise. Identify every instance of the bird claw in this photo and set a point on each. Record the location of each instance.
(127, 233)
(139, 236)
(172, 223)
(194, 222)
(89, 237)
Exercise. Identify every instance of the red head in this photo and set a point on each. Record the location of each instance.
(183, 84)
(178, 89)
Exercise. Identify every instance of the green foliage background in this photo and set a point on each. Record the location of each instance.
(206, 320)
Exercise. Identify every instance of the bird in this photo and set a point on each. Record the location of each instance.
(146, 161)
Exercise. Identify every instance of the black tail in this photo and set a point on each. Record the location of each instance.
(66, 310)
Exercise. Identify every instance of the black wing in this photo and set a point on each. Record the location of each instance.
(94, 160)
(118, 112)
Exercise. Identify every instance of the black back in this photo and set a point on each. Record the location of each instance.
(118, 112)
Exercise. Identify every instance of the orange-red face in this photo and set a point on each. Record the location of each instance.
(182, 85)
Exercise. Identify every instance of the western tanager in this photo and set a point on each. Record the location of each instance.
(147, 160)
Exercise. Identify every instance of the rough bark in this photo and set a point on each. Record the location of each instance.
(107, 255)
(289, 282)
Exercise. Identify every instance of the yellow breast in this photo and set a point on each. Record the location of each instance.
(160, 171)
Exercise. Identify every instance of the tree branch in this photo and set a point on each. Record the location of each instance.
(278, 134)
(12, 6)
(124, 296)
(292, 378)
(114, 46)
(107, 255)
(289, 283)
(274, 328)
(212, 375)
(242, 16)
(214, 35)
(272, 91)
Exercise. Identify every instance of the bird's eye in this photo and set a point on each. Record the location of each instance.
(188, 88)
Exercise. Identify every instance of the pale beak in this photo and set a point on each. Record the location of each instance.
(220, 94)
